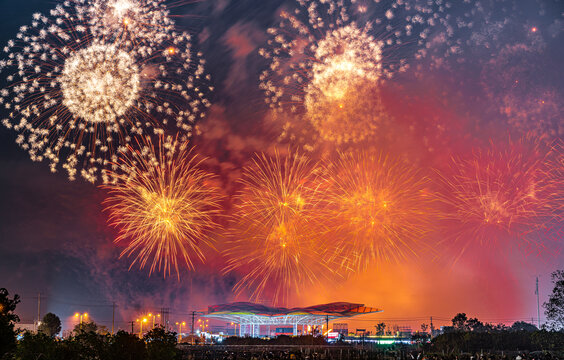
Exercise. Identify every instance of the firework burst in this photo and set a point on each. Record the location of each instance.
(377, 209)
(500, 196)
(77, 97)
(140, 21)
(164, 206)
(274, 220)
(328, 69)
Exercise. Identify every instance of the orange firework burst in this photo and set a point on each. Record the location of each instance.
(163, 205)
(501, 195)
(378, 209)
(274, 243)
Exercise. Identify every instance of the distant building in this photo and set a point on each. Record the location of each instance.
(404, 331)
(341, 328)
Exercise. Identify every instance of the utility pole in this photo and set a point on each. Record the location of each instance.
(113, 315)
(538, 302)
(132, 322)
(431, 327)
(327, 323)
(193, 316)
(38, 308)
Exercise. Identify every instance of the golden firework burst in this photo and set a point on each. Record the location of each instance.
(377, 209)
(163, 205)
(274, 238)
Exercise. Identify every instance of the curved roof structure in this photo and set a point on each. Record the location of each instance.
(333, 310)
(251, 314)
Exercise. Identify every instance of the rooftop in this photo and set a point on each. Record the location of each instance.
(239, 310)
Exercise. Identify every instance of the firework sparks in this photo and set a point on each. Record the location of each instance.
(79, 98)
(275, 244)
(378, 209)
(500, 196)
(344, 86)
(530, 102)
(164, 206)
(140, 21)
(328, 69)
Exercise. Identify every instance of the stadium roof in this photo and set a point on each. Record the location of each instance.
(251, 313)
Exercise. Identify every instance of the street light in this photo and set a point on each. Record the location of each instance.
(180, 324)
(153, 319)
(80, 317)
(204, 325)
(141, 321)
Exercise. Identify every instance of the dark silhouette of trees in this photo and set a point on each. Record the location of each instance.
(472, 336)
(89, 345)
(380, 328)
(459, 322)
(126, 346)
(473, 324)
(424, 327)
(161, 344)
(37, 346)
(50, 325)
(7, 321)
(85, 327)
(554, 308)
(523, 326)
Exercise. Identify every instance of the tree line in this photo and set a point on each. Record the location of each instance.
(86, 342)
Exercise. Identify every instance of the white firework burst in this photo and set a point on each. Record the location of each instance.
(77, 96)
(145, 21)
(327, 66)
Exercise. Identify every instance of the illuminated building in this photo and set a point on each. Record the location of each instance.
(252, 318)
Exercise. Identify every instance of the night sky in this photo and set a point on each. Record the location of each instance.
(500, 78)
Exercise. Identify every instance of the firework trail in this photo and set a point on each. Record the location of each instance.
(503, 195)
(163, 205)
(328, 68)
(377, 209)
(275, 242)
(78, 97)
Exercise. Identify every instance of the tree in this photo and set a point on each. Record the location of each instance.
(85, 327)
(50, 325)
(87, 345)
(523, 326)
(459, 322)
(36, 346)
(380, 328)
(424, 327)
(473, 324)
(554, 308)
(7, 321)
(126, 346)
(161, 344)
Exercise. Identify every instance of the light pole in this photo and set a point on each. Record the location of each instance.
(153, 320)
(80, 316)
(180, 324)
(141, 321)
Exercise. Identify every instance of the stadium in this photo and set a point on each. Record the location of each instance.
(256, 320)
